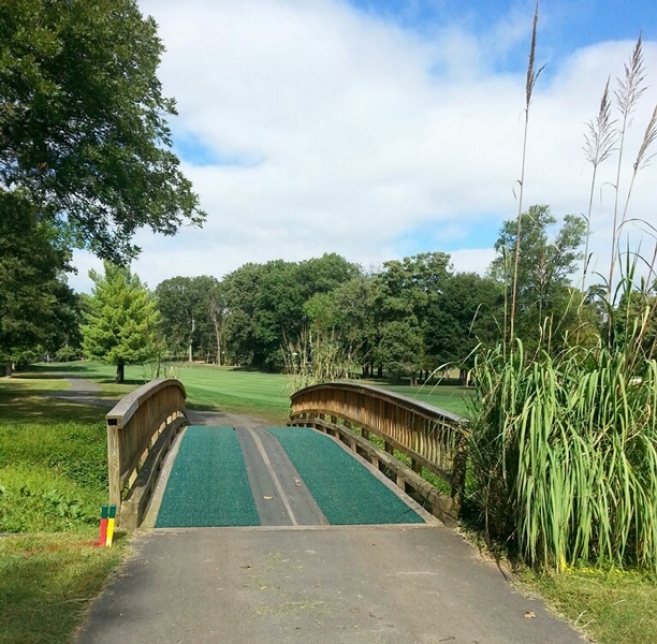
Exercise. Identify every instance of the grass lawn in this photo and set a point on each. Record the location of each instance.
(265, 395)
(448, 397)
(53, 480)
(611, 607)
(46, 583)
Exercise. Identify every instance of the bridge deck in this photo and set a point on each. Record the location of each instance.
(225, 476)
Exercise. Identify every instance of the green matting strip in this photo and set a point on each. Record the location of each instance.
(208, 485)
(344, 490)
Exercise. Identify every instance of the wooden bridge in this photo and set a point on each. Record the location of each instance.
(333, 539)
(403, 438)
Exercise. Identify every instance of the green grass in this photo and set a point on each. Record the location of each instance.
(47, 581)
(241, 391)
(53, 476)
(235, 390)
(611, 607)
(53, 480)
(451, 398)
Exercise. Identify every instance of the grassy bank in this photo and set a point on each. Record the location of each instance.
(53, 480)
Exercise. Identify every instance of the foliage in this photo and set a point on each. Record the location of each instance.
(316, 356)
(564, 453)
(264, 305)
(543, 271)
(122, 319)
(35, 300)
(83, 129)
(563, 443)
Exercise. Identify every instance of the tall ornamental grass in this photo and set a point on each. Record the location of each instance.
(563, 454)
(563, 444)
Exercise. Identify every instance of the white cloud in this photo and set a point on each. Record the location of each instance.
(356, 133)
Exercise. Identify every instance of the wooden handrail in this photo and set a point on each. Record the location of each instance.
(432, 438)
(133, 427)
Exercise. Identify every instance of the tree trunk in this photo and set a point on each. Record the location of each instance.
(7, 369)
(379, 371)
(217, 332)
(120, 372)
(191, 333)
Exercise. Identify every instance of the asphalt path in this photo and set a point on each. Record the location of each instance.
(352, 585)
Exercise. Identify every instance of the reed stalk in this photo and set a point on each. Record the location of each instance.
(532, 77)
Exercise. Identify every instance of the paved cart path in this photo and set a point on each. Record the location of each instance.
(82, 391)
(294, 577)
(352, 585)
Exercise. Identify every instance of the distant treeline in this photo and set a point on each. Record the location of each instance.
(407, 319)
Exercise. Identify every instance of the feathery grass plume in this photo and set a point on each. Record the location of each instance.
(630, 89)
(532, 77)
(598, 145)
(316, 356)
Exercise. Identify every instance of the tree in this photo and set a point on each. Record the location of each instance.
(544, 269)
(409, 292)
(469, 311)
(33, 290)
(400, 349)
(122, 320)
(179, 306)
(216, 308)
(265, 304)
(83, 129)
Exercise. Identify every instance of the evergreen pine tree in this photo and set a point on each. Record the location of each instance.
(122, 320)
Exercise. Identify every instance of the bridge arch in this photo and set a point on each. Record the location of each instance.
(427, 437)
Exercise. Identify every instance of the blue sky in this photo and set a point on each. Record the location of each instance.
(378, 129)
(566, 24)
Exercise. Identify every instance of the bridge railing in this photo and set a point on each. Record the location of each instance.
(428, 438)
(140, 430)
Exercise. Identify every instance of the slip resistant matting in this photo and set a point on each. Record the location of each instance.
(208, 485)
(344, 490)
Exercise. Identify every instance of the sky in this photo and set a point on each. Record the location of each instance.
(380, 129)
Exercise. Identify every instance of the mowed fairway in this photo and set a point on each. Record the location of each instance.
(236, 390)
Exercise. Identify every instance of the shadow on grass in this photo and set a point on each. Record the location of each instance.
(60, 370)
(137, 382)
(37, 405)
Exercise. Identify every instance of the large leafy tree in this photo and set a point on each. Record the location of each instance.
(83, 129)
(122, 320)
(178, 304)
(193, 310)
(34, 296)
(408, 292)
(264, 304)
(545, 265)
